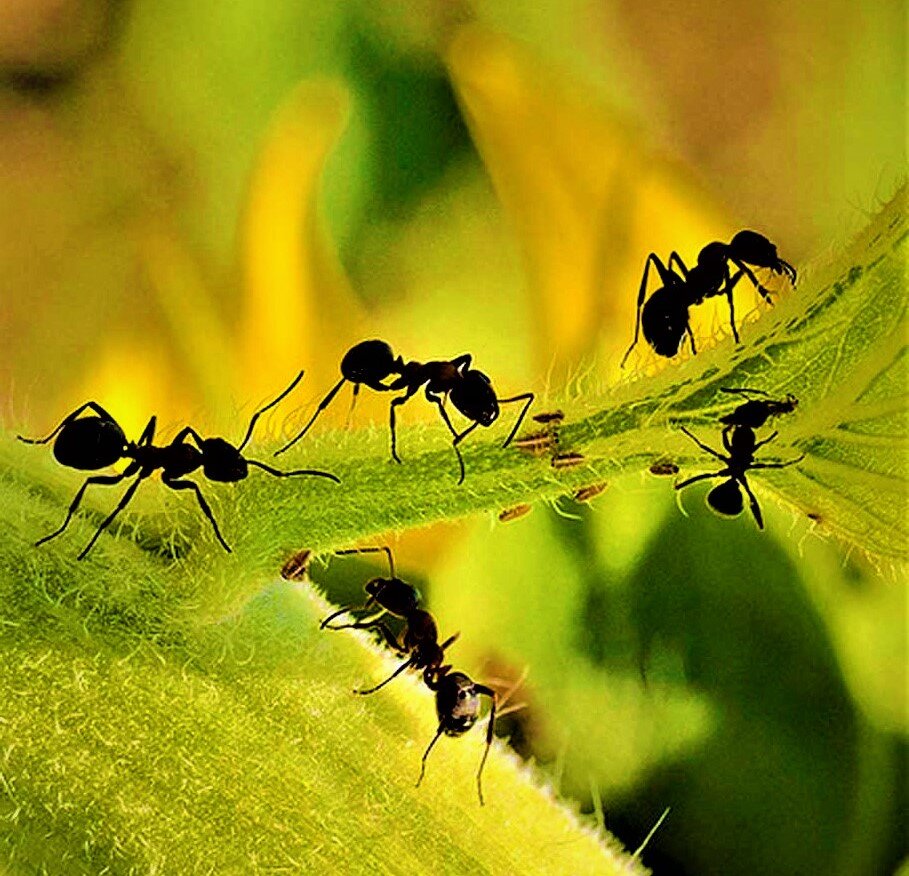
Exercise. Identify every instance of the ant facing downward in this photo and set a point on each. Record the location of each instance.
(90, 443)
(664, 316)
(369, 363)
(740, 443)
(457, 695)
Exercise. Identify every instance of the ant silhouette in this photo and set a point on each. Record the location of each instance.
(664, 316)
(740, 444)
(371, 362)
(755, 412)
(420, 642)
(457, 695)
(97, 441)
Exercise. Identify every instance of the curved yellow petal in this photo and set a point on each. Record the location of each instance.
(297, 307)
(587, 197)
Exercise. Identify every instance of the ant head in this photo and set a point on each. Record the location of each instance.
(457, 703)
(369, 361)
(90, 443)
(755, 249)
(726, 499)
(790, 403)
(394, 595)
(713, 255)
(475, 398)
(221, 461)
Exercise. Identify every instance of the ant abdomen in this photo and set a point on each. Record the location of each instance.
(664, 321)
(726, 499)
(90, 443)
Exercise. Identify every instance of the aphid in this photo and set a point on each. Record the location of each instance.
(664, 316)
(94, 442)
(297, 567)
(515, 512)
(567, 460)
(391, 595)
(549, 417)
(585, 494)
(470, 391)
(740, 445)
(755, 412)
(663, 467)
(538, 444)
(458, 708)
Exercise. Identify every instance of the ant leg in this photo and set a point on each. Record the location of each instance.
(464, 361)
(702, 477)
(703, 446)
(642, 292)
(675, 257)
(766, 440)
(411, 391)
(504, 401)
(384, 549)
(788, 270)
(191, 485)
(730, 285)
(188, 432)
(752, 501)
(110, 517)
(441, 406)
(744, 269)
(489, 692)
(322, 405)
(353, 404)
(106, 480)
(268, 407)
(93, 406)
(390, 638)
(297, 471)
(405, 665)
(148, 433)
(429, 748)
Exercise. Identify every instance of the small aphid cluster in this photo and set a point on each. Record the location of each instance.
(369, 363)
(457, 695)
(664, 315)
(96, 441)
(740, 443)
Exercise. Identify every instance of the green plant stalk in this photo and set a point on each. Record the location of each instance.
(162, 707)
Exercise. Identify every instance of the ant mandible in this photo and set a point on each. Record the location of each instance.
(393, 596)
(664, 316)
(740, 444)
(97, 441)
(371, 362)
(755, 412)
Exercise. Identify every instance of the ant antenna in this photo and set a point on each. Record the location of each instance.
(384, 549)
(742, 391)
(298, 471)
(322, 405)
(268, 407)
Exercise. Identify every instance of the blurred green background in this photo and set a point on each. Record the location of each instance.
(197, 199)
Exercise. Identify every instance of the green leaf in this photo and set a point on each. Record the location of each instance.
(166, 704)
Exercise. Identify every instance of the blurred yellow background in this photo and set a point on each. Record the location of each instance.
(199, 199)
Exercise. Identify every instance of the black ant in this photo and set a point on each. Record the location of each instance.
(755, 412)
(391, 595)
(471, 393)
(664, 316)
(740, 444)
(97, 441)
(457, 696)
